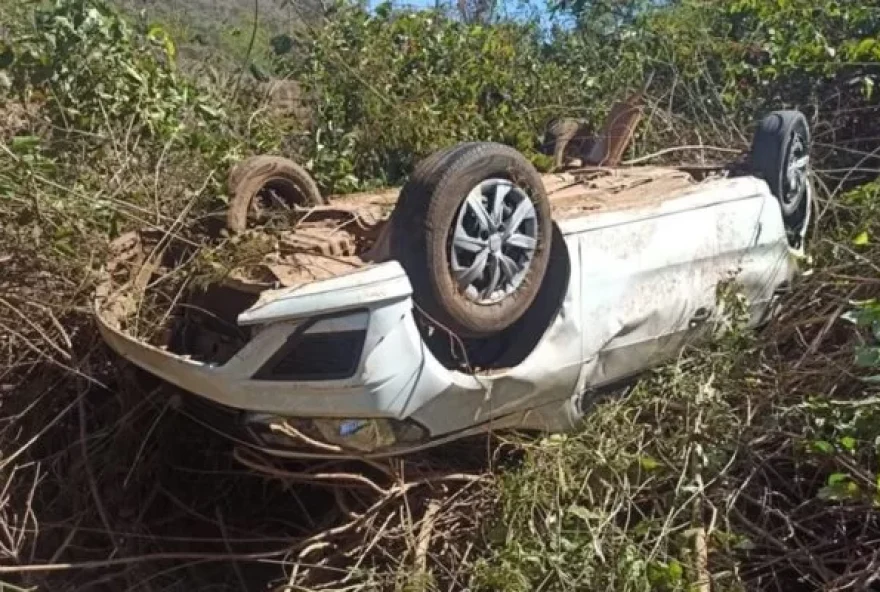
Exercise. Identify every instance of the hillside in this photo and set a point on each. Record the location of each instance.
(219, 31)
(748, 464)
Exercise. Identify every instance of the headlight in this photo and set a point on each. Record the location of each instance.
(362, 435)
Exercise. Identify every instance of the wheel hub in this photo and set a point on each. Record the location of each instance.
(493, 241)
(796, 170)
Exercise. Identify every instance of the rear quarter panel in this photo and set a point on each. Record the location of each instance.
(646, 280)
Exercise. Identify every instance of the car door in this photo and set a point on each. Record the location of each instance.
(649, 277)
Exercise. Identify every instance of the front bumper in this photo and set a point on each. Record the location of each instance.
(381, 308)
(390, 397)
(370, 308)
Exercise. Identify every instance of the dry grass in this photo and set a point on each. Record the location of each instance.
(109, 480)
(112, 482)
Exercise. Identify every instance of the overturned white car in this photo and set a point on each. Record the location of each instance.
(485, 296)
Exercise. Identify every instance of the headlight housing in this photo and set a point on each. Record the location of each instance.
(364, 435)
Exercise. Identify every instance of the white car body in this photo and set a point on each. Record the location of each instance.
(641, 282)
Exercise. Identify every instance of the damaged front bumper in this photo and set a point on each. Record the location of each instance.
(334, 368)
(319, 350)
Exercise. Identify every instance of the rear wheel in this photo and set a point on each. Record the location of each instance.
(780, 155)
(472, 228)
(265, 185)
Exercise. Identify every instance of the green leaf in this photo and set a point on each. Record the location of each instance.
(675, 571)
(847, 490)
(840, 487)
(848, 442)
(822, 446)
(866, 313)
(663, 575)
(836, 478)
(861, 239)
(648, 463)
(24, 144)
(867, 357)
(865, 47)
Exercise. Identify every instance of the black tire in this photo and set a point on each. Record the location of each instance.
(251, 177)
(426, 215)
(781, 138)
(425, 168)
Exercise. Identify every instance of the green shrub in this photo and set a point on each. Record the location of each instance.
(96, 72)
(119, 129)
(393, 86)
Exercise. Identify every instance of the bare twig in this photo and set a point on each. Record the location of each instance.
(654, 155)
(98, 564)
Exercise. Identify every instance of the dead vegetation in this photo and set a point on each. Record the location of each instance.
(714, 470)
(751, 464)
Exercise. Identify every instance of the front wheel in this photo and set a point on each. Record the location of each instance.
(472, 229)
